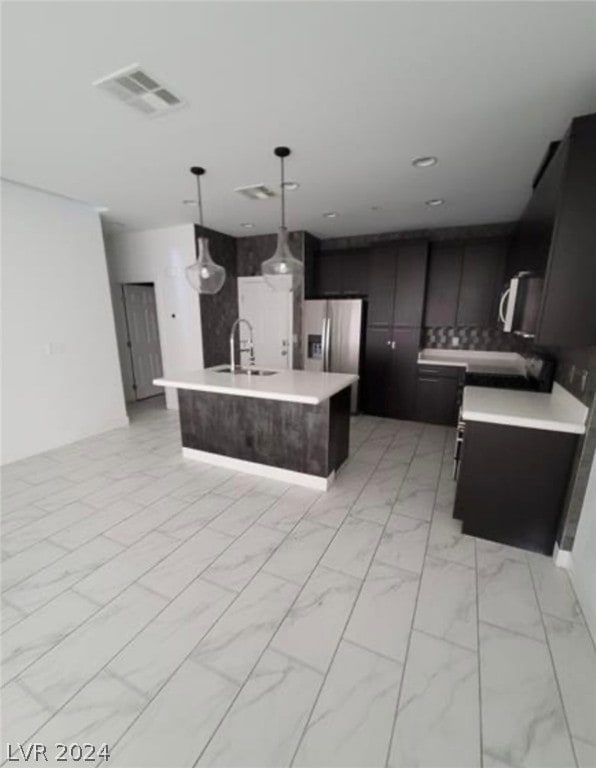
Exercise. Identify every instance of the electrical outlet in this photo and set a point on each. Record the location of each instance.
(584, 380)
(455, 341)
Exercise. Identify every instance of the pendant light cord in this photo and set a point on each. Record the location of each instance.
(200, 200)
(283, 194)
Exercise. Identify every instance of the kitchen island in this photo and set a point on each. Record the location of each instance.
(288, 425)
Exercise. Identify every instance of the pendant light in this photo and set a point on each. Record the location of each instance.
(204, 275)
(282, 263)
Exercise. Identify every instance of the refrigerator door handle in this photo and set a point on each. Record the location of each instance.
(327, 347)
(324, 343)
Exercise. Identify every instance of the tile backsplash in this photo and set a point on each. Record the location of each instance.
(472, 337)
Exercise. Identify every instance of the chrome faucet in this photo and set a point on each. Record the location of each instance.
(250, 348)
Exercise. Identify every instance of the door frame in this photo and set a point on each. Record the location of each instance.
(127, 341)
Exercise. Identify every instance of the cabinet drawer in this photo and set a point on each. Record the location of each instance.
(441, 371)
(437, 399)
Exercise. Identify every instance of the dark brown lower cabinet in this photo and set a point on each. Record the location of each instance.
(512, 483)
(438, 394)
(389, 375)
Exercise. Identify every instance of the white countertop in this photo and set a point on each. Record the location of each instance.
(557, 411)
(291, 386)
(475, 361)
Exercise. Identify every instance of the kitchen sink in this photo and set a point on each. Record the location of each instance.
(246, 371)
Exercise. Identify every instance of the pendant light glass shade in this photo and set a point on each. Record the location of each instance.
(282, 271)
(205, 276)
(283, 265)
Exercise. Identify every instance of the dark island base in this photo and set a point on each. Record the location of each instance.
(512, 484)
(310, 440)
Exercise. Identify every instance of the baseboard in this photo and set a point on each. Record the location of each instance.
(262, 470)
(106, 426)
(562, 557)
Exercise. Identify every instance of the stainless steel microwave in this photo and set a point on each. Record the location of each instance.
(520, 304)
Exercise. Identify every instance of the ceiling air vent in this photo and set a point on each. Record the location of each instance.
(256, 192)
(135, 87)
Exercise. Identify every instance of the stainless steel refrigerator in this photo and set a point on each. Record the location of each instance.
(332, 337)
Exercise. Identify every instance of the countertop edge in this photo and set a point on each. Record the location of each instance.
(444, 362)
(241, 392)
(519, 421)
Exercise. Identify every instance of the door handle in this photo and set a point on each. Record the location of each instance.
(325, 343)
(502, 305)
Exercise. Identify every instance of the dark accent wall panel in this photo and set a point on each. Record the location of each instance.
(218, 312)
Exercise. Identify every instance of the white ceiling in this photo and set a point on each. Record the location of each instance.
(356, 89)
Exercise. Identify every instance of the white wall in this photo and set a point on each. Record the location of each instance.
(583, 555)
(60, 372)
(159, 256)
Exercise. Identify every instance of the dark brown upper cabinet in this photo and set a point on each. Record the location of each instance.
(465, 281)
(410, 283)
(444, 276)
(396, 283)
(354, 272)
(532, 238)
(482, 278)
(381, 285)
(328, 276)
(568, 312)
(340, 273)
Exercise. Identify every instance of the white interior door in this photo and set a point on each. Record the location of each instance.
(143, 334)
(270, 314)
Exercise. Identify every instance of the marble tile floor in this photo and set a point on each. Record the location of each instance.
(189, 616)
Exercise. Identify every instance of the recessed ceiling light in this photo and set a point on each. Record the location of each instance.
(248, 225)
(436, 201)
(424, 162)
(291, 185)
(189, 202)
(331, 215)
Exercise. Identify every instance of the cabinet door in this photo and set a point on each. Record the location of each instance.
(481, 280)
(410, 283)
(405, 343)
(354, 272)
(437, 399)
(381, 285)
(445, 266)
(328, 274)
(531, 241)
(377, 373)
(568, 316)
